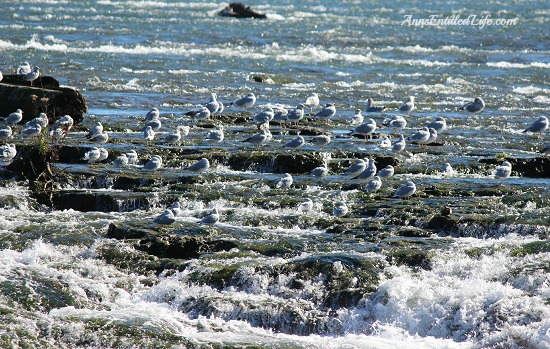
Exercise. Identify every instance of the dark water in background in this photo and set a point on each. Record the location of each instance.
(128, 56)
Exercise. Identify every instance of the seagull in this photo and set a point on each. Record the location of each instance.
(327, 112)
(374, 184)
(265, 115)
(285, 182)
(15, 117)
(92, 155)
(421, 136)
(407, 106)
(33, 75)
(95, 130)
(355, 169)
(5, 133)
(258, 138)
(1, 76)
(474, 107)
(306, 206)
(397, 123)
(369, 172)
(447, 170)
(23, 69)
(312, 101)
(212, 218)
(120, 161)
(340, 210)
(61, 126)
(41, 119)
(154, 164)
(439, 124)
(132, 157)
(386, 172)
(321, 171)
(295, 143)
(245, 102)
(371, 108)
(357, 118)
(399, 145)
(148, 134)
(199, 166)
(503, 171)
(175, 208)
(167, 217)
(546, 149)
(204, 113)
(384, 142)
(101, 138)
(279, 115)
(103, 154)
(321, 140)
(406, 190)
(433, 136)
(174, 137)
(154, 123)
(295, 115)
(152, 114)
(7, 152)
(31, 131)
(213, 106)
(366, 129)
(539, 126)
(215, 135)
(220, 108)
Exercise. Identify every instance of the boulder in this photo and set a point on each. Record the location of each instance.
(239, 10)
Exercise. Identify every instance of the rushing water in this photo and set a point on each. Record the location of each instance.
(60, 289)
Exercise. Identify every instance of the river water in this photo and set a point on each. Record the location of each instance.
(487, 285)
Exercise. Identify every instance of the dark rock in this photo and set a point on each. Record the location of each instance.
(239, 10)
(528, 167)
(170, 245)
(294, 163)
(45, 96)
(441, 223)
(262, 78)
(89, 202)
(414, 258)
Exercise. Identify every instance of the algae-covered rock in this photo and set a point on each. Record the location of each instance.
(445, 224)
(412, 257)
(525, 167)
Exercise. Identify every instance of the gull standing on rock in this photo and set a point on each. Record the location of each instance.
(33, 75)
(386, 172)
(539, 126)
(31, 131)
(420, 137)
(154, 123)
(101, 138)
(167, 217)
(132, 157)
(399, 145)
(215, 135)
(148, 134)
(154, 164)
(321, 171)
(258, 138)
(174, 137)
(200, 166)
(279, 115)
(433, 136)
(366, 129)
(295, 143)
(327, 112)
(397, 123)
(92, 155)
(120, 161)
(546, 149)
(384, 142)
(152, 114)
(374, 184)
(285, 182)
(369, 172)
(503, 171)
(447, 170)
(14, 118)
(212, 218)
(406, 190)
(41, 119)
(355, 169)
(407, 106)
(371, 108)
(306, 206)
(321, 140)
(23, 69)
(295, 115)
(265, 115)
(357, 118)
(340, 210)
(245, 102)
(312, 101)
(103, 154)
(94, 131)
(474, 107)
(213, 105)
(5, 133)
(439, 124)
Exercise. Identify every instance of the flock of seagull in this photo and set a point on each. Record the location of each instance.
(361, 170)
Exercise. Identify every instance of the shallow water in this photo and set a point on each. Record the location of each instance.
(291, 282)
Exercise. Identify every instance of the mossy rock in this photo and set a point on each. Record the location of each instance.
(534, 247)
(443, 224)
(412, 257)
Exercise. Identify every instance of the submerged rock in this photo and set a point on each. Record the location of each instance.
(525, 167)
(239, 10)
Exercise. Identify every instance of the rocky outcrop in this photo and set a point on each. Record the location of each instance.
(525, 167)
(44, 96)
(239, 10)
